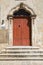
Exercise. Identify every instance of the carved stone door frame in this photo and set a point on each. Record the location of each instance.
(10, 21)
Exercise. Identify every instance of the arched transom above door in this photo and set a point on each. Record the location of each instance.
(21, 6)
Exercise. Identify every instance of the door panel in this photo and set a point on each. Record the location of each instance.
(16, 32)
(25, 32)
(21, 32)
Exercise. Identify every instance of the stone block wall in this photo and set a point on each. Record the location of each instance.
(36, 6)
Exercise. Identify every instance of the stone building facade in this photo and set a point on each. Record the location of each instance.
(37, 22)
(33, 8)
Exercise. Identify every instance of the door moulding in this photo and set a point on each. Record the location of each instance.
(10, 16)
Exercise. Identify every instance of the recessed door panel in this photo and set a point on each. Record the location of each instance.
(25, 32)
(21, 32)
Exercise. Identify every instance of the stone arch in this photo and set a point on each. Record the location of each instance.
(21, 6)
(28, 9)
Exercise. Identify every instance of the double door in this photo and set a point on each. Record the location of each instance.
(21, 32)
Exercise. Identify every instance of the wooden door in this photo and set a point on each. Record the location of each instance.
(21, 32)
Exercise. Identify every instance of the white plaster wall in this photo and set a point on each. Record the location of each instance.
(36, 5)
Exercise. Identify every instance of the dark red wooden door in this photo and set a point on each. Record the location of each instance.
(21, 32)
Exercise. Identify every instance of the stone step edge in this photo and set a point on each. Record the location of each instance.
(22, 51)
(22, 47)
(22, 54)
(21, 59)
(29, 52)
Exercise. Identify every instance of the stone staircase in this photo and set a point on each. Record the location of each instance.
(13, 53)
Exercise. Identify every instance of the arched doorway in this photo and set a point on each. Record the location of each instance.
(22, 29)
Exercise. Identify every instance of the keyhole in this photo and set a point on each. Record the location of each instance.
(19, 25)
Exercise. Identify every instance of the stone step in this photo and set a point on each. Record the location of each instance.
(21, 48)
(31, 57)
(23, 53)
(3, 54)
(21, 58)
